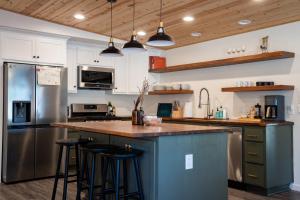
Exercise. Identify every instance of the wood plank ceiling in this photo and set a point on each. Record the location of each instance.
(213, 18)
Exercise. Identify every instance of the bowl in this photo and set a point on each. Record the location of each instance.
(152, 120)
(177, 87)
(186, 86)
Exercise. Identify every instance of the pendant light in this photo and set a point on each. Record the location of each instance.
(111, 50)
(160, 39)
(133, 46)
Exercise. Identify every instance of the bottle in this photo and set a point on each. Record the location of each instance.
(217, 113)
(141, 116)
(224, 113)
(109, 109)
(221, 113)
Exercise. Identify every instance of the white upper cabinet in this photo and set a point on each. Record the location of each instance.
(50, 50)
(86, 56)
(17, 46)
(121, 75)
(33, 48)
(72, 69)
(90, 56)
(137, 71)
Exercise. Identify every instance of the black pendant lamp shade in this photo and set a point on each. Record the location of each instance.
(111, 50)
(133, 46)
(160, 39)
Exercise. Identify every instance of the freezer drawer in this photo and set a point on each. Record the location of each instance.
(18, 155)
(46, 151)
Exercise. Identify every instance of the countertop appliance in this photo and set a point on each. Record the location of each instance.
(34, 97)
(274, 107)
(96, 78)
(235, 155)
(91, 112)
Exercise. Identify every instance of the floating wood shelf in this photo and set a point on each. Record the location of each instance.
(229, 61)
(168, 92)
(258, 88)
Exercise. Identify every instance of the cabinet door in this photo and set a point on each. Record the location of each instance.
(121, 75)
(50, 50)
(147, 162)
(16, 46)
(137, 71)
(72, 69)
(86, 56)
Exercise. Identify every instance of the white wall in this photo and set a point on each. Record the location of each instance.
(287, 71)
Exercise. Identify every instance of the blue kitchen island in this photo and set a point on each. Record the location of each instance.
(180, 162)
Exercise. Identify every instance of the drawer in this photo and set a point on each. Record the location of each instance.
(256, 134)
(254, 152)
(255, 174)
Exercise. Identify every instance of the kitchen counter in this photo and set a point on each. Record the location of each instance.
(126, 129)
(179, 162)
(234, 122)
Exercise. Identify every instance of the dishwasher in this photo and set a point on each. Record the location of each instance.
(235, 155)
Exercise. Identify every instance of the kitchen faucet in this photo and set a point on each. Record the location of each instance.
(208, 112)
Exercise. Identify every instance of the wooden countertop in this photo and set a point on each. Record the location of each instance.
(126, 129)
(230, 121)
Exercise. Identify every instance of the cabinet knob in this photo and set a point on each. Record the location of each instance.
(74, 86)
(95, 60)
(37, 57)
(34, 56)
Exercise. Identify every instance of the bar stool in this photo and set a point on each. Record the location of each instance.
(68, 143)
(124, 155)
(95, 150)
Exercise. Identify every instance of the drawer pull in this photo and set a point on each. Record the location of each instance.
(252, 176)
(253, 136)
(252, 154)
(73, 157)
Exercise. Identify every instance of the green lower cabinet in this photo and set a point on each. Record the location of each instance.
(255, 174)
(268, 157)
(254, 152)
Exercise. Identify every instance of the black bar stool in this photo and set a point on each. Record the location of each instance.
(124, 155)
(68, 143)
(96, 150)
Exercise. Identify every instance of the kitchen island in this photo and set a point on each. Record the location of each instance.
(179, 162)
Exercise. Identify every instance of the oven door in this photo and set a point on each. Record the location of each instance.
(96, 78)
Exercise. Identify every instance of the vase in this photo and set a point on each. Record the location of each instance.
(137, 117)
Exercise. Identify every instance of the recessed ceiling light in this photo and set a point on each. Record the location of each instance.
(188, 18)
(141, 33)
(196, 34)
(79, 16)
(244, 22)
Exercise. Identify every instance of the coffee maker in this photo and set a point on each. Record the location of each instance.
(274, 107)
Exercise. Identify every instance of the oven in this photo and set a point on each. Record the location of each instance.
(96, 78)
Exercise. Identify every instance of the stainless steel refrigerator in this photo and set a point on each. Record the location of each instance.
(31, 104)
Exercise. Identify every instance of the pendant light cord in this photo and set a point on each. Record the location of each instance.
(133, 16)
(111, 18)
(160, 12)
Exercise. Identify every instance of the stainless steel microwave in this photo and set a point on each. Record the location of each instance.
(96, 78)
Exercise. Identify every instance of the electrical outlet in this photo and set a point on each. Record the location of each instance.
(189, 161)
